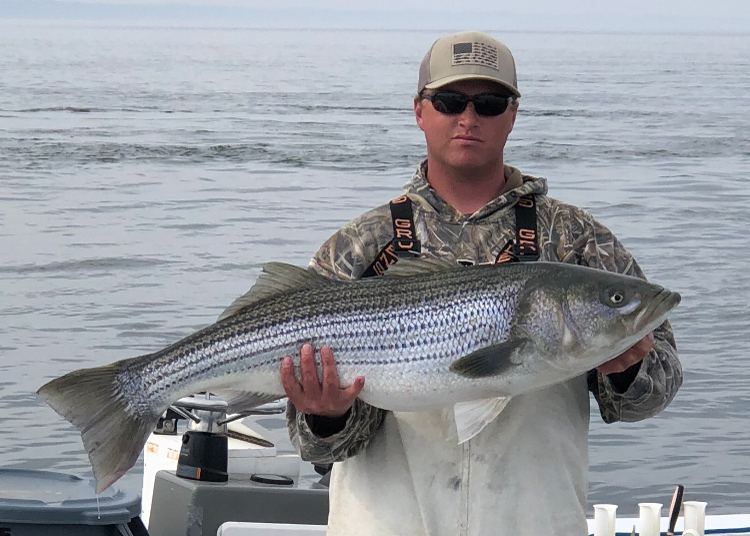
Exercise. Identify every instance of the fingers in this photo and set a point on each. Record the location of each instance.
(330, 376)
(620, 363)
(638, 351)
(646, 344)
(309, 372)
(312, 394)
(289, 381)
(352, 392)
(612, 367)
(629, 357)
(339, 398)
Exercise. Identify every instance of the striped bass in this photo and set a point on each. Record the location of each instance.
(427, 335)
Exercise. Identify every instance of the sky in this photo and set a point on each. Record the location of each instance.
(596, 15)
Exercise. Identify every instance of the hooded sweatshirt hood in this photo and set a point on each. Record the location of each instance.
(517, 185)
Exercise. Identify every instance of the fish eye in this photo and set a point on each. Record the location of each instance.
(616, 297)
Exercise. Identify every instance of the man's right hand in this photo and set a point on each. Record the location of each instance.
(312, 395)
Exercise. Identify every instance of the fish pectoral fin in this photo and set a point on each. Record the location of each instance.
(472, 417)
(276, 277)
(489, 361)
(239, 401)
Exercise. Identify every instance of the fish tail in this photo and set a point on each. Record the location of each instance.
(112, 433)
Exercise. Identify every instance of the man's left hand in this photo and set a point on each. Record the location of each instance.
(629, 357)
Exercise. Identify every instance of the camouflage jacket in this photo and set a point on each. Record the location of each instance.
(566, 234)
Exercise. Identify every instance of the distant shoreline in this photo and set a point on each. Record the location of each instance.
(407, 20)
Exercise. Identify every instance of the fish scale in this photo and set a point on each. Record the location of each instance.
(357, 335)
(434, 336)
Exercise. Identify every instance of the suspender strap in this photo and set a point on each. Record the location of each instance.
(526, 245)
(527, 242)
(404, 243)
(524, 248)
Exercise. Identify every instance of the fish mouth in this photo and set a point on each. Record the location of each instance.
(658, 310)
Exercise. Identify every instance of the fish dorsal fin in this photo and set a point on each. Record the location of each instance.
(472, 417)
(276, 277)
(420, 266)
(490, 361)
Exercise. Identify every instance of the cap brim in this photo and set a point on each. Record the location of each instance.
(455, 78)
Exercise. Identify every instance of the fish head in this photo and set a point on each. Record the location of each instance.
(582, 317)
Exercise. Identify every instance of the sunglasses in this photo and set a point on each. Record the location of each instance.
(455, 102)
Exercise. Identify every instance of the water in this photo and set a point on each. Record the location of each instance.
(147, 172)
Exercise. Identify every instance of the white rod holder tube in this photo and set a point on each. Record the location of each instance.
(650, 518)
(695, 516)
(604, 519)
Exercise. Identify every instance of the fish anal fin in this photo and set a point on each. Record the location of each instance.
(471, 417)
(276, 278)
(241, 401)
(489, 361)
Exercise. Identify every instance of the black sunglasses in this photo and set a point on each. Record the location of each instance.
(455, 102)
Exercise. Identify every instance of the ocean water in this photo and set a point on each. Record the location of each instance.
(147, 172)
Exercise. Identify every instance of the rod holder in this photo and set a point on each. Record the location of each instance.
(650, 518)
(695, 516)
(605, 516)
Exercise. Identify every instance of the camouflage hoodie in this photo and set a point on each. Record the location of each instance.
(393, 463)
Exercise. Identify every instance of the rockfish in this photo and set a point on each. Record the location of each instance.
(426, 335)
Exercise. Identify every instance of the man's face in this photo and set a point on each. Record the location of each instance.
(465, 141)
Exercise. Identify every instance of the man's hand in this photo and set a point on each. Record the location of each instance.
(629, 357)
(313, 396)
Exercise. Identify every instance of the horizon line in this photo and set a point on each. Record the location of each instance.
(369, 19)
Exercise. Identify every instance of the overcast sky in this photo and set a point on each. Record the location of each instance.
(613, 7)
(675, 6)
(689, 15)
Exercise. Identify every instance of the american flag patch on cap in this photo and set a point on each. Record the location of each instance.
(475, 54)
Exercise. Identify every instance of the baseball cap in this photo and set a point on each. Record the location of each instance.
(468, 55)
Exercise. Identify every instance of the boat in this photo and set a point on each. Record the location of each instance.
(206, 472)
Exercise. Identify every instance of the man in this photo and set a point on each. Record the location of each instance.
(526, 472)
